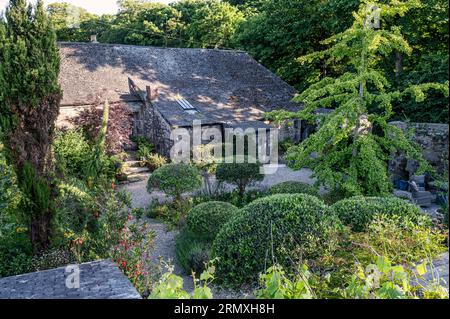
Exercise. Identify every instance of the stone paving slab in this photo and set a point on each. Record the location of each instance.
(98, 280)
(439, 271)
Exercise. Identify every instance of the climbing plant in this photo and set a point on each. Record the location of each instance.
(350, 150)
(29, 105)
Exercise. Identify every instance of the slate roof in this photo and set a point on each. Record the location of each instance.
(98, 280)
(223, 85)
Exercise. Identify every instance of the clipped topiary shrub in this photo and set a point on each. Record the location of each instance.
(239, 174)
(291, 228)
(358, 212)
(175, 179)
(206, 220)
(293, 187)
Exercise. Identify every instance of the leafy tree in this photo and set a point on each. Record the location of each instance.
(247, 4)
(175, 180)
(239, 174)
(349, 152)
(145, 23)
(71, 23)
(286, 29)
(426, 29)
(213, 25)
(29, 105)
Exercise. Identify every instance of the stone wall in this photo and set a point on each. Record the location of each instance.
(98, 280)
(151, 124)
(432, 138)
(295, 130)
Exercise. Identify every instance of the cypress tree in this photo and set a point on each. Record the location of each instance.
(29, 105)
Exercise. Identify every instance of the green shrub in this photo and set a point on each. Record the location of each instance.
(289, 227)
(192, 252)
(358, 212)
(398, 239)
(292, 187)
(15, 249)
(76, 157)
(155, 161)
(232, 197)
(175, 179)
(239, 174)
(206, 220)
(71, 152)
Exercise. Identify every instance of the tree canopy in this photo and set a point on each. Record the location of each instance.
(350, 150)
(276, 33)
(29, 105)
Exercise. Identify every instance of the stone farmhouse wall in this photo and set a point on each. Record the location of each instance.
(432, 138)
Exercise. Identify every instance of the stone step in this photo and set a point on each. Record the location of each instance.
(134, 178)
(135, 170)
(133, 163)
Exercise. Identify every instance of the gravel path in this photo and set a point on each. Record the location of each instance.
(141, 198)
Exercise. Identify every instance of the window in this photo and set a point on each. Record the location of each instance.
(185, 105)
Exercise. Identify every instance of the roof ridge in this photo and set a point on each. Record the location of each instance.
(148, 46)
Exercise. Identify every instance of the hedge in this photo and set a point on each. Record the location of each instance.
(205, 220)
(358, 212)
(297, 227)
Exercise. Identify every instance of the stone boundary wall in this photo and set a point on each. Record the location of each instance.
(98, 280)
(432, 138)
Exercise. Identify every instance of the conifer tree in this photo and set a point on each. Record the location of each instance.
(29, 105)
(351, 148)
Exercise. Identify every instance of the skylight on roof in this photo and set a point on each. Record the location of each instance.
(185, 105)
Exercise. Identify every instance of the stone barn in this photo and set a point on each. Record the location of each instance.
(168, 88)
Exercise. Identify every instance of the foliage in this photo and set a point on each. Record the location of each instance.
(358, 212)
(29, 105)
(283, 30)
(213, 25)
(353, 143)
(175, 179)
(282, 229)
(232, 197)
(15, 247)
(293, 187)
(192, 251)
(277, 285)
(132, 254)
(119, 127)
(155, 161)
(71, 23)
(71, 152)
(240, 174)
(380, 280)
(144, 147)
(385, 281)
(206, 220)
(399, 239)
(144, 23)
(171, 286)
(426, 29)
(146, 155)
(9, 194)
(173, 214)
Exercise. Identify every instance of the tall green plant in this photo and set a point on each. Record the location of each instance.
(29, 105)
(94, 165)
(351, 148)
